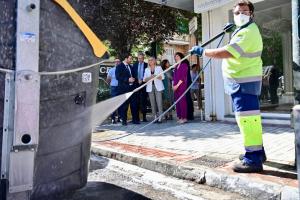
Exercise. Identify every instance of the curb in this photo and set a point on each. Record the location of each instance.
(249, 187)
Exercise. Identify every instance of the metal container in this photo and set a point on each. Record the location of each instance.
(61, 161)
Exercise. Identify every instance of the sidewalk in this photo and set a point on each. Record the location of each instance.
(203, 152)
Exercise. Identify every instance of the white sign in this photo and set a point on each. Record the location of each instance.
(205, 5)
(193, 25)
(86, 77)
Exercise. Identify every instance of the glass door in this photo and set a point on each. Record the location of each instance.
(275, 22)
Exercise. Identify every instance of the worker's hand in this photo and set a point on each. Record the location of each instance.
(197, 50)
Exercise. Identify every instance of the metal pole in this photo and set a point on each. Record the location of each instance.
(8, 123)
(26, 99)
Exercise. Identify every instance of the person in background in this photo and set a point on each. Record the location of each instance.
(168, 97)
(190, 103)
(139, 69)
(113, 82)
(195, 86)
(180, 83)
(125, 76)
(154, 88)
(273, 83)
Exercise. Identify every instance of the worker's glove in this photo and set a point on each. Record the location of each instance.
(197, 50)
(229, 27)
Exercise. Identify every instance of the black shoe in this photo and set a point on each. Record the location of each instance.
(136, 122)
(243, 167)
(264, 157)
(113, 121)
(124, 123)
(145, 120)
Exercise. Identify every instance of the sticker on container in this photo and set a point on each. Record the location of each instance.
(28, 37)
(86, 77)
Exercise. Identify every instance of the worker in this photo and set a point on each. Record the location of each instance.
(242, 73)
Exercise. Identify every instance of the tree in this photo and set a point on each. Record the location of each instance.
(127, 23)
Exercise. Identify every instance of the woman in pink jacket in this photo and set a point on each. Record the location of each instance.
(179, 86)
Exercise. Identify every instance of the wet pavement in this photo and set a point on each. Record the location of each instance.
(113, 180)
(204, 152)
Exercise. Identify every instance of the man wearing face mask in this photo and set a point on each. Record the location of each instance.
(242, 73)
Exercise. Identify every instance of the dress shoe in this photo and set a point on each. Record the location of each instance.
(124, 123)
(136, 122)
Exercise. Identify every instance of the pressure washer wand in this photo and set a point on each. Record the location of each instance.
(227, 29)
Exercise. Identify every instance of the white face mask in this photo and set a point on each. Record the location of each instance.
(241, 19)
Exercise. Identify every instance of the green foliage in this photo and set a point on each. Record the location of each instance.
(128, 23)
(185, 17)
(272, 51)
(182, 25)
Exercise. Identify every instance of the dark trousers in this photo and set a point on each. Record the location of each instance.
(273, 93)
(142, 102)
(133, 107)
(113, 93)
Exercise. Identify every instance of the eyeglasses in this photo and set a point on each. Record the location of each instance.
(241, 12)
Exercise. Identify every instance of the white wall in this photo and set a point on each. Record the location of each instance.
(217, 103)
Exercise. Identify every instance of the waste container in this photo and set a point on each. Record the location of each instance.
(61, 162)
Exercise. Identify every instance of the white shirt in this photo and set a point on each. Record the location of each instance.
(158, 83)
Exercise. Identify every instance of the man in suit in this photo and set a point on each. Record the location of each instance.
(141, 96)
(126, 78)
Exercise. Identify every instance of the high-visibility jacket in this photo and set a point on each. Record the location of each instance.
(244, 70)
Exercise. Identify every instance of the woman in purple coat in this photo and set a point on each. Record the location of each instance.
(180, 84)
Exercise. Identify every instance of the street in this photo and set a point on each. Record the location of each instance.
(113, 180)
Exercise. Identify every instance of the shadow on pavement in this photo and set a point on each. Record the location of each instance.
(99, 191)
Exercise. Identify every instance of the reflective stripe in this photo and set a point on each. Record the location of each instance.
(244, 80)
(248, 113)
(253, 148)
(244, 54)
